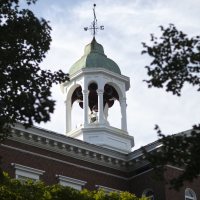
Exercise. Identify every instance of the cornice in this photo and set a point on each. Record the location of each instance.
(27, 169)
(105, 128)
(78, 149)
(69, 146)
(91, 71)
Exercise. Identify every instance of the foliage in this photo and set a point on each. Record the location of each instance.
(180, 150)
(176, 61)
(25, 94)
(11, 189)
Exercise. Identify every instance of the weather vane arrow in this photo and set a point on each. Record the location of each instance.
(94, 27)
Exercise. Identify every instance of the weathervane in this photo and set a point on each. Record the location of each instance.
(94, 28)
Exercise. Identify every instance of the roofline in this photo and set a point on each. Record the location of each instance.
(62, 144)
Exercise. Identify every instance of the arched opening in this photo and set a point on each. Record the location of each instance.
(77, 96)
(77, 116)
(112, 111)
(93, 97)
(114, 115)
(93, 102)
(77, 111)
(190, 194)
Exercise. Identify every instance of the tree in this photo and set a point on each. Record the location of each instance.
(14, 189)
(175, 62)
(25, 94)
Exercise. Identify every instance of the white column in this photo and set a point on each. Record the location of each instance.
(123, 113)
(85, 108)
(100, 106)
(106, 111)
(68, 116)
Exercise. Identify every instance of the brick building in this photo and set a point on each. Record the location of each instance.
(94, 154)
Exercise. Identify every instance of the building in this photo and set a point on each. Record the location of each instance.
(94, 155)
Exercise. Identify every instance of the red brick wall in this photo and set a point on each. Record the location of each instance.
(146, 180)
(136, 184)
(162, 191)
(180, 195)
(53, 167)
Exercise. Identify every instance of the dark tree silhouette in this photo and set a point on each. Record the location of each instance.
(25, 94)
(175, 61)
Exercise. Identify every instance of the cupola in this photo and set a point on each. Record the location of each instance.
(96, 83)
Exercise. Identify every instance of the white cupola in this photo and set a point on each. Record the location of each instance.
(96, 83)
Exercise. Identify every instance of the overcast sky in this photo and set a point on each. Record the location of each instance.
(127, 23)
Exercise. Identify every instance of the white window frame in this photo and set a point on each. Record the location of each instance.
(144, 194)
(189, 197)
(106, 189)
(71, 182)
(23, 172)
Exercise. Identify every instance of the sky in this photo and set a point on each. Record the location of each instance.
(127, 24)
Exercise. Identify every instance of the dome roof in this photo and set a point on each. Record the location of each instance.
(94, 57)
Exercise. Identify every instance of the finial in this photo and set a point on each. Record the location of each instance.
(94, 26)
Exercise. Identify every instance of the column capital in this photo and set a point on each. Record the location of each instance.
(100, 91)
(85, 92)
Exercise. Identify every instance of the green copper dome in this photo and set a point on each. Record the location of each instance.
(94, 57)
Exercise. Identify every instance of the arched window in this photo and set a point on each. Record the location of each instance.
(190, 194)
(148, 193)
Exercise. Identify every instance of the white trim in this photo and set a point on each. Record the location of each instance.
(46, 134)
(69, 163)
(193, 197)
(173, 167)
(75, 155)
(107, 189)
(71, 182)
(141, 174)
(144, 194)
(100, 70)
(138, 153)
(107, 137)
(22, 172)
(177, 168)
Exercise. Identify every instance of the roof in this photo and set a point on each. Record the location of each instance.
(94, 57)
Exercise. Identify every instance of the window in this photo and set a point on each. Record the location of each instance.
(71, 182)
(190, 194)
(149, 193)
(23, 172)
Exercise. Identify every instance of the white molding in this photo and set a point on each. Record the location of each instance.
(140, 174)
(99, 71)
(87, 156)
(26, 136)
(105, 136)
(65, 143)
(194, 197)
(177, 168)
(173, 167)
(71, 182)
(138, 153)
(106, 189)
(28, 172)
(50, 135)
(144, 194)
(65, 162)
